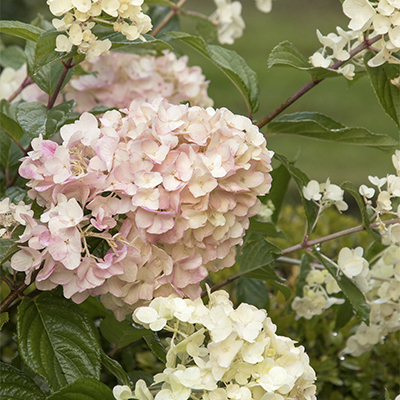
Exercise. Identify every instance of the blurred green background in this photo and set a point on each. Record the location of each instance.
(296, 21)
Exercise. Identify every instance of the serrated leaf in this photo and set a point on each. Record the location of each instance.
(84, 389)
(11, 127)
(349, 187)
(349, 289)
(57, 116)
(252, 291)
(21, 30)
(12, 56)
(388, 94)
(7, 248)
(286, 54)
(15, 385)
(57, 340)
(116, 369)
(4, 318)
(305, 268)
(230, 63)
(343, 315)
(32, 118)
(301, 180)
(121, 333)
(153, 341)
(314, 125)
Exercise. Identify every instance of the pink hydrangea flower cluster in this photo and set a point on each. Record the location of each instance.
(168, 189)
(116, 79)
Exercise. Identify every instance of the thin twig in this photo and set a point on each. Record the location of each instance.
(363, 46)
(27, 81)
(67, 66)
(174, 10)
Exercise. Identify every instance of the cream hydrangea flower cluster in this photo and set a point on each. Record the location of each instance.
(383, 296)
(117, 79)
(218, 352)
(10, 216)
(169, 189)
(367, 18)
(80, 16)
(315, 300)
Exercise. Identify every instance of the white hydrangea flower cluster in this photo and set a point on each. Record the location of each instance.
(368, 19)
(388, 189)
(383, 296)
(315, 300)
(218, 352)
(80, 16)
(116, 79)
(325, 194)
(228, 19)
(10, 215)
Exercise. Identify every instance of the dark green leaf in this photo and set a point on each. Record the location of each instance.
(153, 341)
(202, 25)
(57, 116)
(352, 293)
(305, 268)
(121, 333)
(15, 385)
(314, 125)
(20, 29)
(286, 55)
(229, 62)
(119, 41)
(12, 56)
(4, 318)
(343, 315)
(252, 291)
(116, 369)
(349, 187)
(32, 117)
(266, 228)
(11, 127)
(84, 389)
(7, 248)
(301, 180)
(57, 340)
(93, 308)
(5, 147)
(387, 93)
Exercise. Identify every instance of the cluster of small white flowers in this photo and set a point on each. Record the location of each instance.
(368, 19)
(315, 300)
(218, 352)
(325, 194)
(228, 19)
(383, 296)
(10, 215)
(80, 16)
(117, 79)
(266, 212)
(388, 189)
(169, 188)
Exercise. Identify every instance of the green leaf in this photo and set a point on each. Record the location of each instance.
(229, 62)
(314, 125)
(252, 291)
(305, 268)
(349, 289)
(388, 94)
(93, 308)
(161, 3)
(57, 116)
(301, 179)
(349, 187)
(11, 127)
(153, 341)
(121, 333)
(343, 315)
(5, 147)
(57, 340)
(202, 25)
(84, 389)
(286, 54)
(12, 56)
(266, 228)
(15, 385)
(32, 117)
(4, 318)
(119, 41)
(21, 30)
(7, 248)
(387, 394)
(116, 369)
